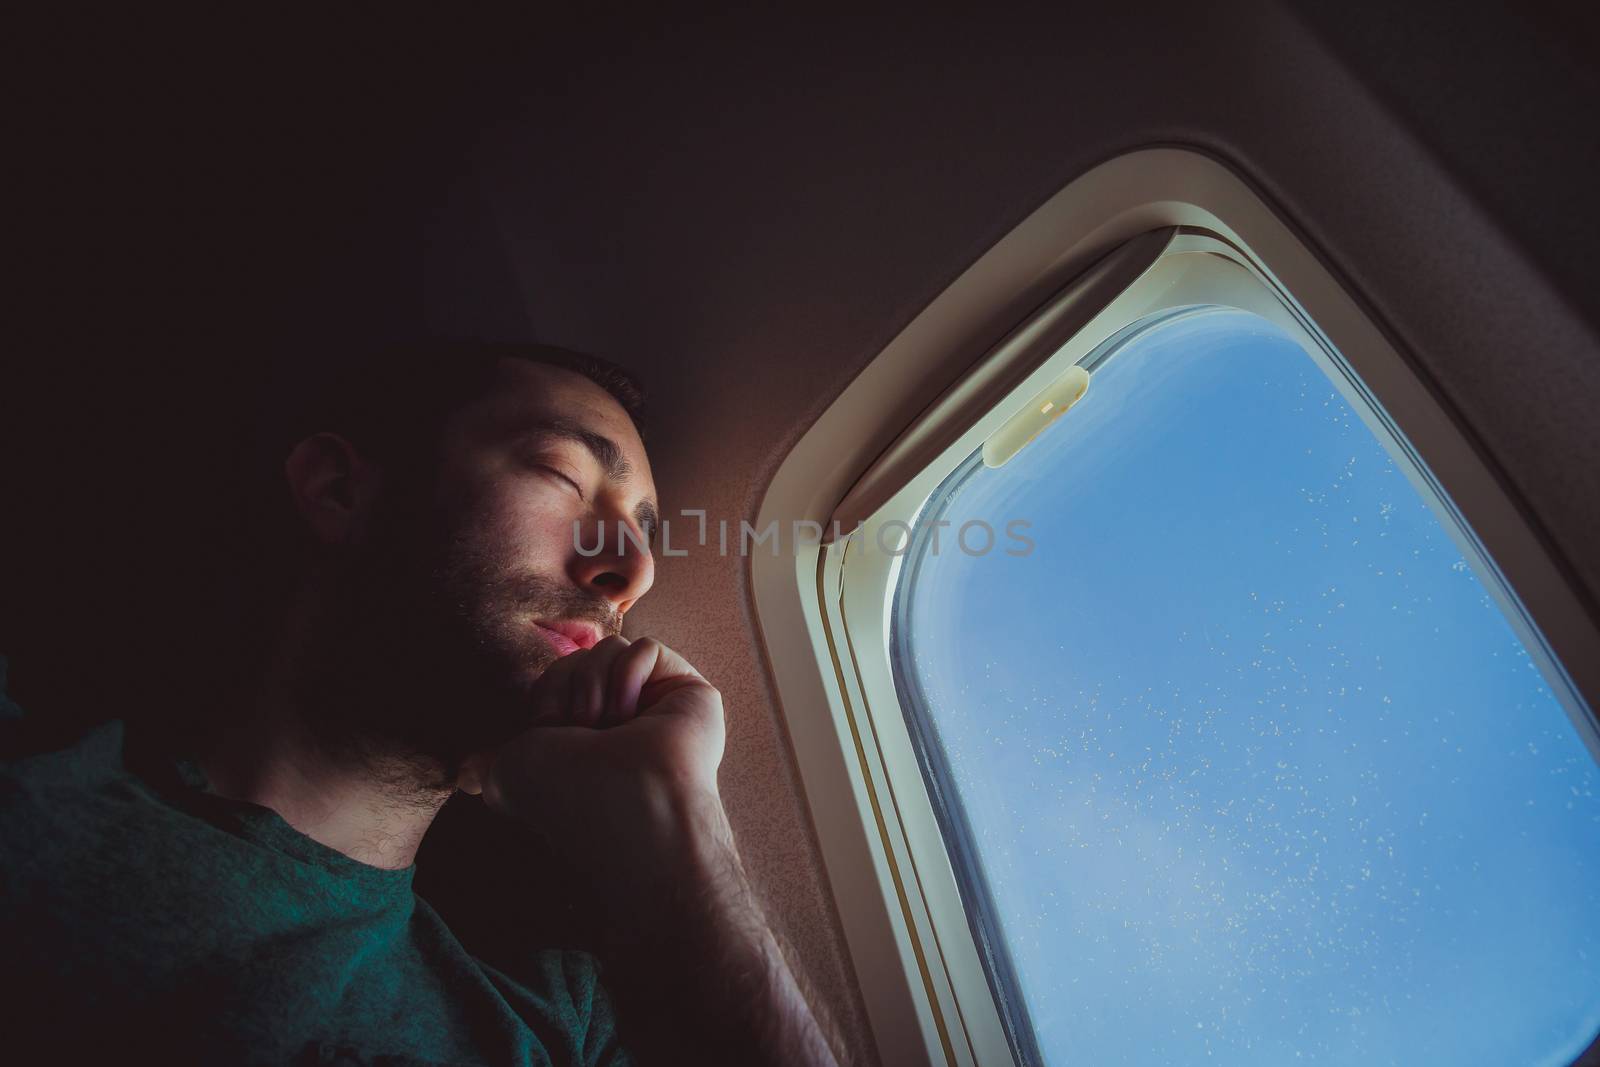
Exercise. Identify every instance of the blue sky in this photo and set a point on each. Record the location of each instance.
(1259, 772)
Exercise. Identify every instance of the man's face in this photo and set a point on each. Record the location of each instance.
(470, 582)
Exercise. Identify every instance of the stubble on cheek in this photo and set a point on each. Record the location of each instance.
(473, 603)
(434, 655)
(492, 604)
(484, 606)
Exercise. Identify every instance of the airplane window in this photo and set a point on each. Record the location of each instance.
(1242, 763)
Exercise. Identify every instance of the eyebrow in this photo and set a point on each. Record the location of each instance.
(606, 453)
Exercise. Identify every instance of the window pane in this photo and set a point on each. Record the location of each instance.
(1254, 769)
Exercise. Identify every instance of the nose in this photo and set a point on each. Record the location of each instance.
(621, 570)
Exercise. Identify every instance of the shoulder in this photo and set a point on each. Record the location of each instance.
(58, 745)
(58, 806)
(92, 759)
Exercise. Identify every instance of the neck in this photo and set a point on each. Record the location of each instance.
(350, 793)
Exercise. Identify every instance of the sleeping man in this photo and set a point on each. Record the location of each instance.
(445, 623)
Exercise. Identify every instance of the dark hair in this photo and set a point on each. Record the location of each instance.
(392, 402)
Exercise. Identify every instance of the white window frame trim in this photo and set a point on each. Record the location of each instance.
(926, 991)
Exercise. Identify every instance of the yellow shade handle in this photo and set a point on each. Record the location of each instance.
(1045, 408)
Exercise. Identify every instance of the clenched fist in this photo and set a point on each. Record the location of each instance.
(619, 770)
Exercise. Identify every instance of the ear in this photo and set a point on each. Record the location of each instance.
(334, 487)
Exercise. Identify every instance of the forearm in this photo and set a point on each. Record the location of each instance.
(620, 771)
(697, 974)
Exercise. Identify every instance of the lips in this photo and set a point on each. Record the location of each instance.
(568, 637)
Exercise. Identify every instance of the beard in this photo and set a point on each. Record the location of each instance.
(424, 650)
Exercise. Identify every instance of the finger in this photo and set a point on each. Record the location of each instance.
(629, 674)
(626, 676)
(589, 698)
(474, 773)
(603, 657)
(583, 696)
(656, 670)
(519, 780)
(603, 665)
(550, 692)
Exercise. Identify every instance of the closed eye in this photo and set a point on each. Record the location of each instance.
(576, 488)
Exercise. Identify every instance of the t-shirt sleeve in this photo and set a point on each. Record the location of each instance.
(577, 999)
(600, 1044)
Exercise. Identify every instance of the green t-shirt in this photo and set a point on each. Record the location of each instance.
(141, 915)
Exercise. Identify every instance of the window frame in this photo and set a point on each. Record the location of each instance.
(1146, 231)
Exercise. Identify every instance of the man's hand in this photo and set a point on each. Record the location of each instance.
(619, 772)
(622, 756)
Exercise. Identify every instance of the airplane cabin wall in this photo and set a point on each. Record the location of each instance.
(749, 213)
